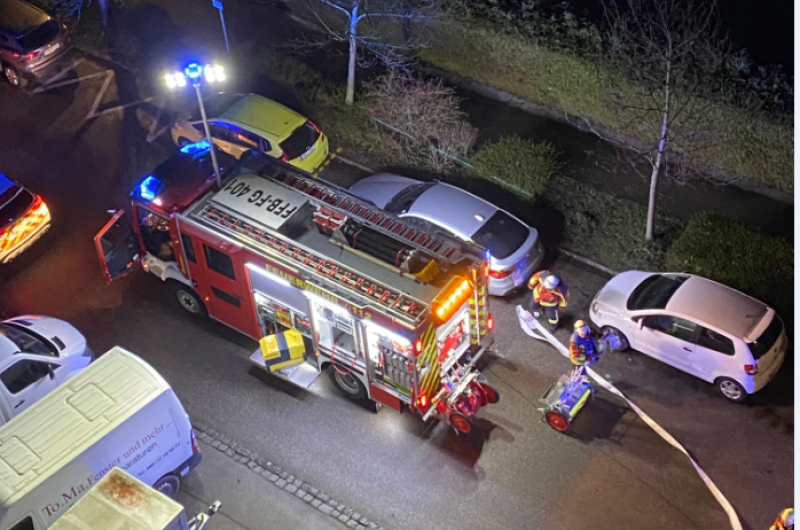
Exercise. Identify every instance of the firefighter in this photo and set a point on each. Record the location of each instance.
(785, 520)
(549, 294)
(583, 347)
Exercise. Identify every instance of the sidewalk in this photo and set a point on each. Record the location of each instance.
(249, 500)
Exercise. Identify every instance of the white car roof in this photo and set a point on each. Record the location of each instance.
(718, 306)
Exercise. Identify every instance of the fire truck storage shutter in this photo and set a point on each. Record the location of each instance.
(282, 350)
(277, 289)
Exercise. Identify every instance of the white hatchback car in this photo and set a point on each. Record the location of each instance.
(696, 325)
(516, 249)
(37, 354)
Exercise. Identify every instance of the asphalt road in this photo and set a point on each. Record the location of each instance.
(512, 472)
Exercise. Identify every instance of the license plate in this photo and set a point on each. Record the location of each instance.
(304, 155)
(52, 49)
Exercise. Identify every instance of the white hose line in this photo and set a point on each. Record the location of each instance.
(528, 323)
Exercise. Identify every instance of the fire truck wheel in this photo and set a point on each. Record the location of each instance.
(557, 421)
(348, 383)
(460, 422)
(492, 396)
(190, 300)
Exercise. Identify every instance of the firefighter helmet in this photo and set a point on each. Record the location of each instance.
(581, 328)
(551, 282)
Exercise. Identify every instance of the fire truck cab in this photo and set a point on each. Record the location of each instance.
(394, 314)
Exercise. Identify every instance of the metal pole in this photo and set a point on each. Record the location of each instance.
(224, 31)
(208, 135)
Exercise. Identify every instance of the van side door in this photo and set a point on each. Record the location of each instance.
(26, 379)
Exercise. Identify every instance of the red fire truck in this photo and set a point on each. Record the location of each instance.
(395, 312)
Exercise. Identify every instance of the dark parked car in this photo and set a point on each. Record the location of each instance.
(33, 45)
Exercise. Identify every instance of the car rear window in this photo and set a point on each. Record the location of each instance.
(39, 36)
(300, 141)
(402, 202)
(501, 234)
(215, 106)
(767, 339)
(655, 292)
(13, 203)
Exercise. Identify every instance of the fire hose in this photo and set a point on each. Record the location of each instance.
(528, 322)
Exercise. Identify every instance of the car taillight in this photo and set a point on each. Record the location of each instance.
(500, 274)
(24, 57)
(315, 126)
(285, 157)
(195, 447)
(490, 323)
(751, 369)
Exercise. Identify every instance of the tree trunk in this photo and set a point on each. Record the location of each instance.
(351, 63)
(662, 145)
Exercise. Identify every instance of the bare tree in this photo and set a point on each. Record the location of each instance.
(671, 50)
(421, 120)
(382, 28)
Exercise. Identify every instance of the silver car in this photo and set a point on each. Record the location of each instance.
(33, 45)
(515, 248)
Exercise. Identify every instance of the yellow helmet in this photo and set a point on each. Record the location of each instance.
(581, 328)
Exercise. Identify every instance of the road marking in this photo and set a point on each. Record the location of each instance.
(526, 320)
(50, 82)
(99, 97)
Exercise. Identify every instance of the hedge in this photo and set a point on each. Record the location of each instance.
(728, 252)
(517, 164)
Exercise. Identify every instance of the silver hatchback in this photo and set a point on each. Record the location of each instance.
(515, 248)
(33, 45)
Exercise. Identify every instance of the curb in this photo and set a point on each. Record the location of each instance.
(284, 480)
(568, 253)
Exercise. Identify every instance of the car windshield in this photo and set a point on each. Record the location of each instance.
(767, 339)
(215, 106)
(501, 234)
(13, 203)
(655, 292)
(39, 36)
(401, 202)
(301, 140)
(26, 341)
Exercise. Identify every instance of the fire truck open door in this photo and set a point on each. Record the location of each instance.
(117, 247)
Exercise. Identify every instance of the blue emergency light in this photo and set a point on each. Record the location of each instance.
(193, 71)
(149, 188)
(488, 255)
(196, 148)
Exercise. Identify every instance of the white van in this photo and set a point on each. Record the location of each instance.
(118, 412)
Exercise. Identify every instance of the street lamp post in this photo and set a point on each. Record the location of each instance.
(196, 74)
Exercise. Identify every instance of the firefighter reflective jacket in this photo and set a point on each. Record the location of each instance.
(582, 349)
(548, 297)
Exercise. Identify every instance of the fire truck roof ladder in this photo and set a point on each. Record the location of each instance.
(442, 247)
(390, 299)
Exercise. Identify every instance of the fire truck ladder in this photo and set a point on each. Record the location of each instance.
(380, 295)
(443, 248)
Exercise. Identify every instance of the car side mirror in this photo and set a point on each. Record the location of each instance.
(50, 371)
(640, 323)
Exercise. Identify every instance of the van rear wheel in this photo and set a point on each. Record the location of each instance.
(168, 485)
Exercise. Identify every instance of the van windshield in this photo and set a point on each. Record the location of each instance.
(767, 340)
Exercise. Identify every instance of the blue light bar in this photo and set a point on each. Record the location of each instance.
(193, 71)
(149, 188)
(197, 148)
(5, 183)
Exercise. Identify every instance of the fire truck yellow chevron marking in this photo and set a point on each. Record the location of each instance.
(430, 382)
